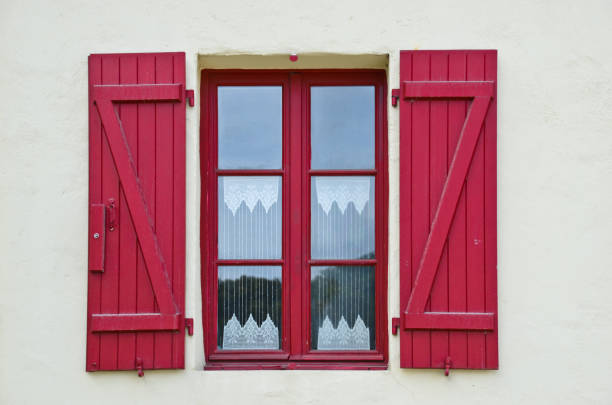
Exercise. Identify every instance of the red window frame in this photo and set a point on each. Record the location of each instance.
(295, 351)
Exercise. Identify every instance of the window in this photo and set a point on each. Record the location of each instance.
(294, 219)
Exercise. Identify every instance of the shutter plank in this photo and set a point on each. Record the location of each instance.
(95, 196)
(110, 190)
(490, 213)
(420, 195)
(146, 173)
(128, 73)
(164, 194)
(438, 168)
(405, 163)
(457, 111)
(178, 274)
(475, 229)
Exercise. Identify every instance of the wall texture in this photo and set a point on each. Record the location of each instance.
(555, 163)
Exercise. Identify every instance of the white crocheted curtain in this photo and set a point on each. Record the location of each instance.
(342, 217)
(342, 307)
(249, 307)
(250, 217)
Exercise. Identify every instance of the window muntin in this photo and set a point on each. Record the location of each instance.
(296, 265)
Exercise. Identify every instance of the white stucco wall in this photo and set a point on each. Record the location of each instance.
(555, 193)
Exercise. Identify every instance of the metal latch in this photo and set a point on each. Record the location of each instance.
(189, 96)
(189, 326)
(395, 95)
(395, 324)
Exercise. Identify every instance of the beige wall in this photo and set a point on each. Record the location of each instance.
(555, 193)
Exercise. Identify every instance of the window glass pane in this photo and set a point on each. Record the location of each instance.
(250, 217)
(342, 308)
(250, 127)
(342, 127)
(249, 307)
(342, 217)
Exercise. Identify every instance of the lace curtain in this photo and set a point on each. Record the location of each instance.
(342, 308)
(249, 307)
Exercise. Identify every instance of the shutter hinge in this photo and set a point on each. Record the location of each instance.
(395, 95)
(189, 97)
(189, 326)
(395, 324)
(139, 367)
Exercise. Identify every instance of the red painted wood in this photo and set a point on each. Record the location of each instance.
(474, 185)
(137, 158)
(438, 152)
(97, 227)
(142, 92)
(442, 88)
(252, 172)
(110, 190)
(128, 114)
(449, 267)
(247, 262)
(95, 196)
(490, 215)
(137, 206)
(405, 215)
(296, 216)
(164, 198)
(297, 251)
(457, 236)
(446, 208)
(134, 322)
(146, 170)
(421, 345)
(449, 321)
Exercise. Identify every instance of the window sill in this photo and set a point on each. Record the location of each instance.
(213, 366)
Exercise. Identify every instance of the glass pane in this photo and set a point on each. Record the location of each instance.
(342, 217)
(250, 217)
(250, 127)
(343, 311)
(249, 308)
(342, 127)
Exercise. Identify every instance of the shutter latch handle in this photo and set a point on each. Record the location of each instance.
(112, 214)
(139, 367)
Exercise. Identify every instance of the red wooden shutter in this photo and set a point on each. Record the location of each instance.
(448, 224)
(136, 283)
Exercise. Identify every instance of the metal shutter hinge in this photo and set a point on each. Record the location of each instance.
(395, 324)
(189, 96)
(189, 326)
(395, 95)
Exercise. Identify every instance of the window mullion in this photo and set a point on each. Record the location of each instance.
(294, 243)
